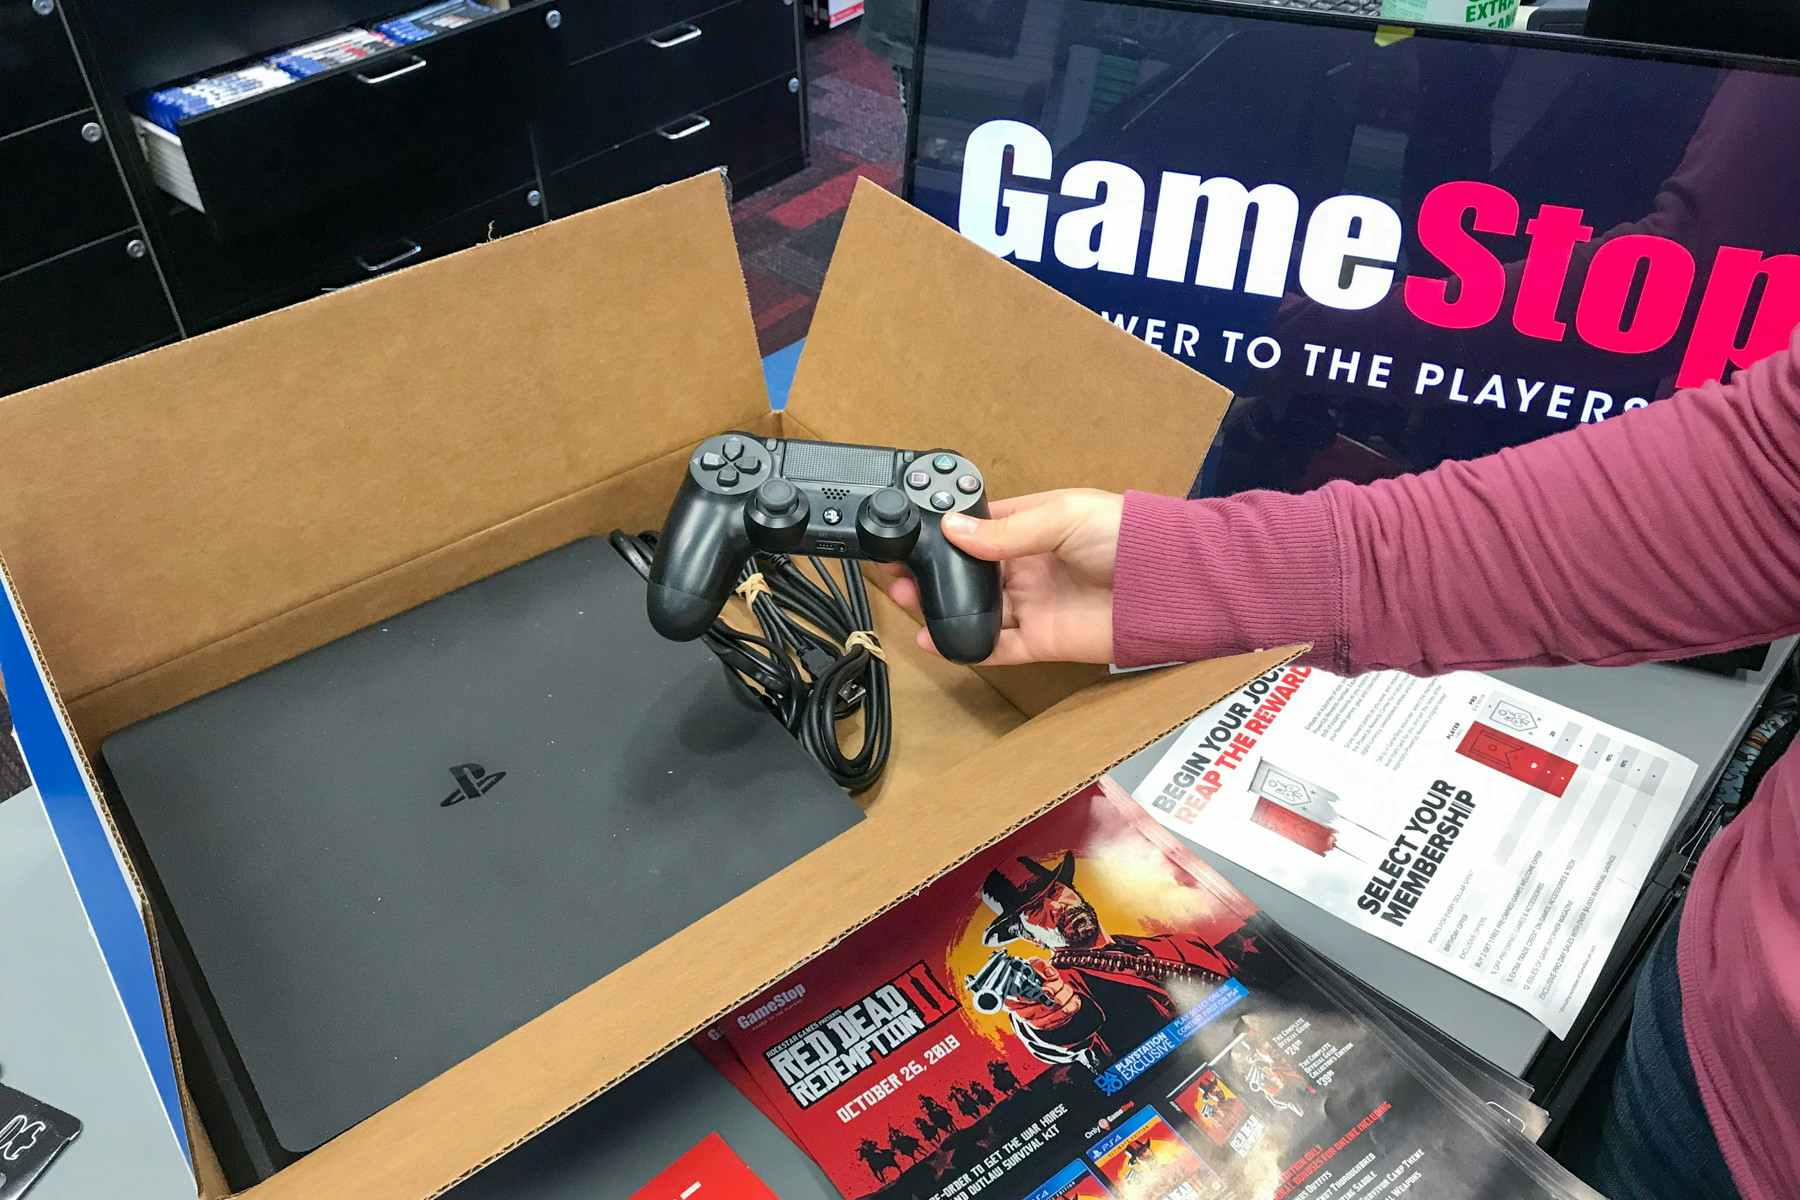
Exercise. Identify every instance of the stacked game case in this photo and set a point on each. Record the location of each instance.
(160, 113)
(1086, 1011)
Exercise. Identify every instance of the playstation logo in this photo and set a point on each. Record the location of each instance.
(472, 783)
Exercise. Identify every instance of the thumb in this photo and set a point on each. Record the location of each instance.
(1036, 530)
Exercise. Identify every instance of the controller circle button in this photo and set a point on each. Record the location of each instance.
(968, 485)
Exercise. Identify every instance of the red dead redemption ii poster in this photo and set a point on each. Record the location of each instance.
(1085, 1010)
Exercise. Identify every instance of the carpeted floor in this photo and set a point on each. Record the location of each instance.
(786, 232)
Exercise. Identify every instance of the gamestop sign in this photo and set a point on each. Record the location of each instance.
(1640, 294)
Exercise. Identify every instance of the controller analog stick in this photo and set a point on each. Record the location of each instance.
(888, 524)
(777, 498)
(779, 510)
(889, 506)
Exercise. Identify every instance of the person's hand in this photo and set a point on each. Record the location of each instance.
(1061, 1001)
(1056, 551)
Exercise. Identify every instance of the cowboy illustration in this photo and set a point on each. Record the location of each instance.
(1102, 994)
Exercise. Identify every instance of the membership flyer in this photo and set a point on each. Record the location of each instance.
(1485, 830)
(1086, 1010)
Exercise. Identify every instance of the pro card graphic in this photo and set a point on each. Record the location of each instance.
(1147, 1160)
(1073, 1182)
(710, 1171)
(1517, 758)
(833, 1050)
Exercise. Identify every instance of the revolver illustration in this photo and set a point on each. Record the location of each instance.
(1005, 978)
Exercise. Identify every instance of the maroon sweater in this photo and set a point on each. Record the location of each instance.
(1666, 532)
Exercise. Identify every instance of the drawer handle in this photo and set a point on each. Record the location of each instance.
(688, 33)
(686, 131)
(417, 64)
(413, 250)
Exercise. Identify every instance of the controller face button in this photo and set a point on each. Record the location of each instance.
(918, 479)
(944, 463)
(778, 497)
(832, 516)
(968, 485)
(728, 477)
(710, 461)
(889, 507)
(943, 501)
(734, 448)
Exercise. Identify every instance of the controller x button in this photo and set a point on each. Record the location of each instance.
(943, 501)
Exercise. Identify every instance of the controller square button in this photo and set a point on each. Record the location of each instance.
(728, 477)
(943, 501)
(968, 485)
(918, 479)
(710, 461)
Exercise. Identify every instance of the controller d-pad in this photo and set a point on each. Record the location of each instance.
(734, 448)
(749, 464)
(728, 477)
(710, 461)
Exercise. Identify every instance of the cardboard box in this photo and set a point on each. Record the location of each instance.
(180, 520)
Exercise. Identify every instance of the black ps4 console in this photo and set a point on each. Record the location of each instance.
(375, 859)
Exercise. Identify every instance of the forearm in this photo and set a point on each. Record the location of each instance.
(1663, 533)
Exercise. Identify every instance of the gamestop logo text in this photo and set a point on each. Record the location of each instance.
(1634, 297)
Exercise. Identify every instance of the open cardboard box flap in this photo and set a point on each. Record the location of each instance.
(177, 521)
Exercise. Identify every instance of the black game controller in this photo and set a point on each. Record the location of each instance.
(745, 494)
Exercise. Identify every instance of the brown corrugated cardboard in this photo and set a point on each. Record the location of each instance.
(230, 502)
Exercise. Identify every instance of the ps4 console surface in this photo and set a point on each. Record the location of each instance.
(379, 857)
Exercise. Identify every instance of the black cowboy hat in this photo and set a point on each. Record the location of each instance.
(1011, 894)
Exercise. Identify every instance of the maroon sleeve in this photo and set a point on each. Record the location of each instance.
(1668, 531)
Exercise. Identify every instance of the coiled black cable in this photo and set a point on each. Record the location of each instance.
(802, 667)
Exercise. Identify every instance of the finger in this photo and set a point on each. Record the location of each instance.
(904, 591)
(888, 570)
(1038, 529)
(1013, 504)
